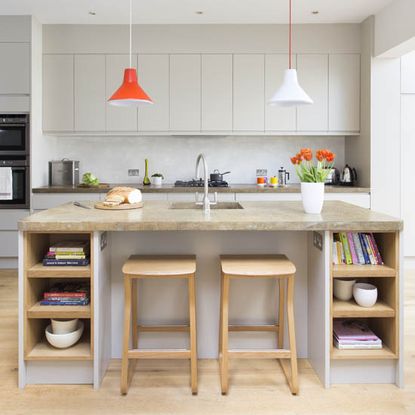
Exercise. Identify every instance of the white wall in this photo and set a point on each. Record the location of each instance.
(110, 157)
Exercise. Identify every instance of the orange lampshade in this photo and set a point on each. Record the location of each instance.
(130, 92)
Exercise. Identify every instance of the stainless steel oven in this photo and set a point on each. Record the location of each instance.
(20, 184)
(14, 134)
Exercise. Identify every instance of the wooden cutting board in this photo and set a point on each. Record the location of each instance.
(123, 206)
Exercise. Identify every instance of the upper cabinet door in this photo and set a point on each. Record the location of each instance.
(118, 118)
(15, 68)
(313, 78)
(153, 76)
(277, 118)
(344, 92)
(90, 99)
(58, 98)
(185, 93)
(248, 92)
(216, 92)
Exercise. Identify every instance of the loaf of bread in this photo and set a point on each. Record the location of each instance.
(122, 194)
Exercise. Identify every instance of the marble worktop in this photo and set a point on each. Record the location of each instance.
(170, 188)
(159, 216)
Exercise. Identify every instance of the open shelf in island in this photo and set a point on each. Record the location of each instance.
(349, 309)
(59, 311)
(363, 354)
(362, 271)
(40, 271)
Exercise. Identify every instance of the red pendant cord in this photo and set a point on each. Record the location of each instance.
(289, 39)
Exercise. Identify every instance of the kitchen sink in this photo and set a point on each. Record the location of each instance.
(218, 206)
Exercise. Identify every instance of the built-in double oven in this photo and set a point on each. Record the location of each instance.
(14, 161)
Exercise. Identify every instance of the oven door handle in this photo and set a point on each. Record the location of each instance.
(18, 168)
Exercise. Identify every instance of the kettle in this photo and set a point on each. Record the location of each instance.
(348, 176)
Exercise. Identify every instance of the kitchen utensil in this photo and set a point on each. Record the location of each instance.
(333, 176)
(123, 206)
(365, 294)
(62, 326)
(64, 173)
(79, 204)
(343, 288)
(348, 176)
(216, 176)
(63, 341)
(283, 177)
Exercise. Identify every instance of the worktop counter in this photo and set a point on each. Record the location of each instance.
(170, 188)
(261, 216)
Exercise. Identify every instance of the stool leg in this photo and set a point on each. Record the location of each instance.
(134, 311)
(281, 309)
(291, 334)
(224, 334)
(220, 324)
(193, 345)
(126, 336)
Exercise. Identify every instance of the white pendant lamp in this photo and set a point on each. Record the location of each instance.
(290, 92)
(130, 93)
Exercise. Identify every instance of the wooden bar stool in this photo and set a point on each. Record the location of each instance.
(259, 266)
(145, 267)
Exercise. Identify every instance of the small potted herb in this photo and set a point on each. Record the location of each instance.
(156, 179)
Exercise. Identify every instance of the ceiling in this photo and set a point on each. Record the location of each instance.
(184, 11)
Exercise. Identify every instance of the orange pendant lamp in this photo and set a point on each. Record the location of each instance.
(130, 93)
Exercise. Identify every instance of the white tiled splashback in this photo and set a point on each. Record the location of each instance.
(109, 158)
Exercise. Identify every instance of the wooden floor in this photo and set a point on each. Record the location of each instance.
(162, 387)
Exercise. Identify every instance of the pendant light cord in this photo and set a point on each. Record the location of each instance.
(131, 29)
(290, 37)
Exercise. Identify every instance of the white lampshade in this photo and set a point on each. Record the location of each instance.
(290, 92)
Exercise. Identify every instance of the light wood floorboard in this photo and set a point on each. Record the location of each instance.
(258, 387)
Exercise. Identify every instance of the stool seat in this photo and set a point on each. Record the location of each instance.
(162, 266)
(257, 265)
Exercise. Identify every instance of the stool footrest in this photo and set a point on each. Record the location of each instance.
(259, 354)
(159, 354)
(268, 327)
(169, 328)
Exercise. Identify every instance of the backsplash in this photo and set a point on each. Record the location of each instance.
(109, 158)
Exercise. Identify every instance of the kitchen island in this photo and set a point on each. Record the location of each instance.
(248, 227)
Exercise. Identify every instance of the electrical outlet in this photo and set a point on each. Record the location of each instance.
(318, 240)
(133, 172)
(261, 172)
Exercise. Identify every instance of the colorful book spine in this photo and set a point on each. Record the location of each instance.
(59, 256)
(358, 246)
(57, 303)
(375, 249)
(364, 249)
(369, 249)
(65, 262)
(352, 248)
(336, 260)
(63, 294)
(346, 248)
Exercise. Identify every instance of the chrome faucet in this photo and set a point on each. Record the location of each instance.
(206, 202)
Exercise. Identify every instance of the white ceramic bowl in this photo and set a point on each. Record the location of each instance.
(64, 326)
(365, 294)
(343, 288)
(63, 341)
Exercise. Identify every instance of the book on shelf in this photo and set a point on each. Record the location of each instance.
(354, 334)
(355, 248)
(66, 294)
(65, 262)
(74, 303)
(69, 246)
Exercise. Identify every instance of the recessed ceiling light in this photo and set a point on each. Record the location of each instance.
(92, 13)
(315, 12)
(199, 12)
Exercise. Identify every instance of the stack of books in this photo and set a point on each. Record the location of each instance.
(354, 334)
(68, 253)
(356, 248)
(66, 294)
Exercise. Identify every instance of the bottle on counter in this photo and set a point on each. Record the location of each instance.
(146, 180)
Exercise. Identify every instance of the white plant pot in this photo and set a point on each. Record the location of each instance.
(313, 197)
(156, 181)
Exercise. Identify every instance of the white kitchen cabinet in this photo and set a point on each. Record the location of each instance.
(358, 199)
(41, 201)
(118, 118)
(277, 118)
(313, 78)
(8, 233)
(248, 92)
(217, 92)
(191, 196)
(89, 87)
(185, 83)
(344, 92)
(15, 68)
(407, 73)
(58, 93)
(8, 244)
(153, 76)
